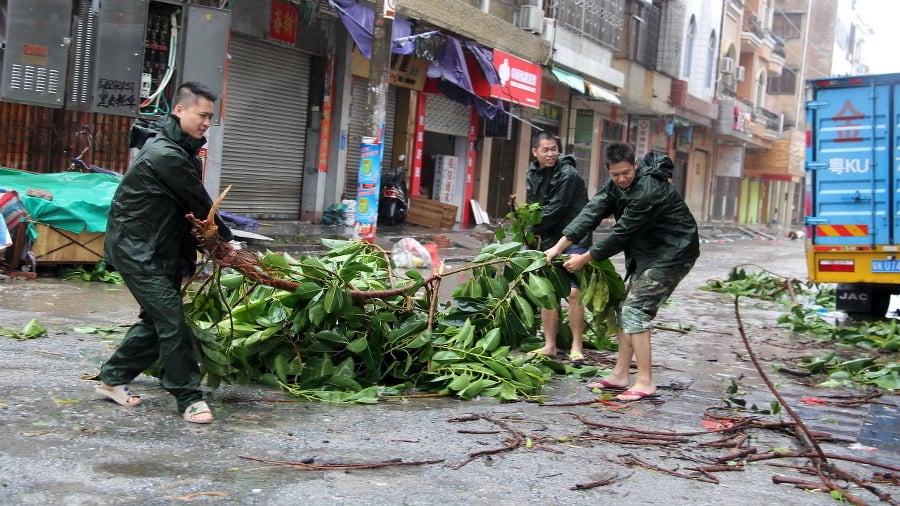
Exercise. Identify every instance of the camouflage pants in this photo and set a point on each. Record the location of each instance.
(647, 290)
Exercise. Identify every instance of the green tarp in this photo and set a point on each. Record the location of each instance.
(80, 201)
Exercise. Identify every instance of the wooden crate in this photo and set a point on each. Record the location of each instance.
(430, 213)
(56, 246)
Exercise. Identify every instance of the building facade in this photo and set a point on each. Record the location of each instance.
(714, 84)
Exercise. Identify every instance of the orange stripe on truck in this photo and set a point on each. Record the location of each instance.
(842, 230)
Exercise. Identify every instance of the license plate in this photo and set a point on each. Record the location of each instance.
(885, 265)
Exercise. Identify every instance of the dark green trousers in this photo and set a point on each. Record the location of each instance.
(161, 333)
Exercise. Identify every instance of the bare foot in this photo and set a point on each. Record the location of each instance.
(542, 352)
(608, 383)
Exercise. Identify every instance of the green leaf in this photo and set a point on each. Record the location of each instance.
(446, 356)
(460, 382)
(358, 345)
(34, 329)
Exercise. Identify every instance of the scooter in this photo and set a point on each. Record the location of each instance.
(393, 203)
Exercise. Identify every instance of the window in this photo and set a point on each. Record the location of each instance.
(787, 26)
(689, 47)
(643, 33)
(761, 89)
(711, 59)
(786, 84)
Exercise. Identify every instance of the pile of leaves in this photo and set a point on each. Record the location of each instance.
(865, 352)
(347, 334)
(32, 330)
(98, 273)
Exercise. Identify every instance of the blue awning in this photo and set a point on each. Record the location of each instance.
(573, 81)
(585, 87)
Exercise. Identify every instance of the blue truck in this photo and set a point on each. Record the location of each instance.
(853, 188)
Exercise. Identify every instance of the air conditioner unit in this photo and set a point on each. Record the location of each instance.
(531, 18)
(549, 29)
(739, 74)
(726, 65)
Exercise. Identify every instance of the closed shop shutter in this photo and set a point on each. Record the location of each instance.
(444, 116)
(360, 95)
(265, 126)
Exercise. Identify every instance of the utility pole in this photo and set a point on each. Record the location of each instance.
(368, 187)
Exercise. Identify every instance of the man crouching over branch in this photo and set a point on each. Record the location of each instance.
(658, 234)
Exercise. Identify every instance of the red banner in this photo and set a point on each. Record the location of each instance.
(469, 190)
(327, 106)
(520, 81)
(415, 180)
(283, 22)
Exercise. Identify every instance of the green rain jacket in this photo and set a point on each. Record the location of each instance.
(654, 227)
(146, 232)
(562, 194)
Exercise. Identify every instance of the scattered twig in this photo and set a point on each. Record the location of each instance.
(599, 483)
(671, 329)
(307, 464)
(736, 455)
(780, 455)
(513, 442)
(631, 460)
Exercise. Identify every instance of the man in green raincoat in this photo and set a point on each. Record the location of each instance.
(149, 241)
(553, 182)
(658, 234)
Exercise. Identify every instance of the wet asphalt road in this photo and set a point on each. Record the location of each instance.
(60, 444)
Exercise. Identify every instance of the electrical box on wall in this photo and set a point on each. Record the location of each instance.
(33, 50)
(205, 43)
(119, 57)
(107, 44)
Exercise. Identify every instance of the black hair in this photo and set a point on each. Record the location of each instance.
(545, 135)
(189, 92)
(619, 152)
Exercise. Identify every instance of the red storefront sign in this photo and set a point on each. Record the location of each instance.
(520, 81)
(327, 107)
(283, 22)
(415, 180)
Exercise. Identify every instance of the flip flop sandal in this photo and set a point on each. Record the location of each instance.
(120, 394)
(576, 359)
(195, 409)
(635, 393)
(604, 385)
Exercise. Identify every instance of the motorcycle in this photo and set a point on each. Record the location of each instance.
(393, 203)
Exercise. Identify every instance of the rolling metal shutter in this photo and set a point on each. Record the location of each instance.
(360, 95)
(445, 116)
(265, 128)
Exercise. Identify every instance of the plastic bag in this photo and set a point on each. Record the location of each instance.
(409, 253)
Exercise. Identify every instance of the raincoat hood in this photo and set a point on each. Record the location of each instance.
(657, 165)
(143, 130)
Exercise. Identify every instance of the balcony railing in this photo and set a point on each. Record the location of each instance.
(754, 25)
(600, 21)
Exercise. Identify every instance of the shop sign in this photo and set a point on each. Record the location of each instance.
(283, 22)
(520, 81)
(642, 144)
